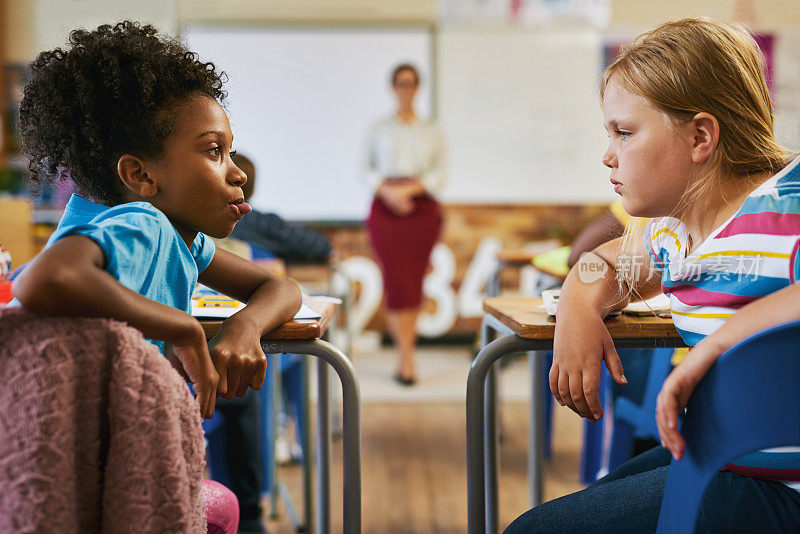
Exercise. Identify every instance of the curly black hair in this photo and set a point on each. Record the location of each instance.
(111, 92)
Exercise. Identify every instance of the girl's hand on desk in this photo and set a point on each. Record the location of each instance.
(238, 358)
(191, 359)
(581, 343)
(677, 390)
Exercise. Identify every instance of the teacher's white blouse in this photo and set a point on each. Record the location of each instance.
(415, 149)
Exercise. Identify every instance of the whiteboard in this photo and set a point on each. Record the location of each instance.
(301, 101)
(521, 114)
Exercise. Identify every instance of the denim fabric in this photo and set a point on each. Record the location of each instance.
(241, 434)
(628, 500)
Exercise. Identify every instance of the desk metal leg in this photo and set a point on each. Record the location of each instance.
(274, 408)
(308, 493)
(536, 433)
(476, 451)
(491, 439)
(492, 445)
(323, 449)
(477, 465)
(352, 424)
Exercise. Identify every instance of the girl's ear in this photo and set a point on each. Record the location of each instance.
(704, 136)
(133, 173)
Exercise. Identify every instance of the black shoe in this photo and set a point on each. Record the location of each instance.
(252, 526)
(403, 381)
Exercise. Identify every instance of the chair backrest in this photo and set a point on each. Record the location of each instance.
(749, 400)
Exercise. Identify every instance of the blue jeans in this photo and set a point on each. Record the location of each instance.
(629, 499)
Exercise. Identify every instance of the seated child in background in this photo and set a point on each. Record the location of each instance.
(289, 242)
(240, 436)
(134, 120)
(610, 225)
(691, 145)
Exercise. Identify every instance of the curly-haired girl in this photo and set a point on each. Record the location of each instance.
(134, 120)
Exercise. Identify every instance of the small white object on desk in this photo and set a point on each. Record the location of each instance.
(550, 300)
(658, 305)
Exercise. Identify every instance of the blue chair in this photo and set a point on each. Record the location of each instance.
(734, 411)
(638, 421)
(630, 420)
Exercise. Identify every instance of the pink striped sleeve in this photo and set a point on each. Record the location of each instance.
(765, 222)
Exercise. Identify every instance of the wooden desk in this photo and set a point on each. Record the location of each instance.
(525, 326)
(528, 319)
(295, 329)
(302, 336)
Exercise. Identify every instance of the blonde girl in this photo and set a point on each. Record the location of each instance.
(690, 124)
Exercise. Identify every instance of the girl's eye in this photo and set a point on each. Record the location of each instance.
(215, 151)
(623, 134)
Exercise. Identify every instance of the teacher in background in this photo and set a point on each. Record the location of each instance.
(406, 171)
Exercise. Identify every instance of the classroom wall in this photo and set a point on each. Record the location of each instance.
(765, 15)
(17, 30)
(307, 11)
(32, 25)
(29, 22)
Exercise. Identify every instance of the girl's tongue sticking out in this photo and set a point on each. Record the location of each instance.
(242, 208)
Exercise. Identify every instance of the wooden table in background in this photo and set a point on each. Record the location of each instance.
(507, 259)
(303, 336)
(515, 259)
(525, 326)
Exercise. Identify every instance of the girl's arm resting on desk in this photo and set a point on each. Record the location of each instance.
(271, 301)
(68, 279)
(780, 307)
(590, 292)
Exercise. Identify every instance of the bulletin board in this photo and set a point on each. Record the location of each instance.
(301, 101)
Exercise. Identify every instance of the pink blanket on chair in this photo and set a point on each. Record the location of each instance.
(97, 432)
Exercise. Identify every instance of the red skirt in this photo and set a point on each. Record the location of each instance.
(403, 246)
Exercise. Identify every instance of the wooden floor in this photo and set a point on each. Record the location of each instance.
(414, 476)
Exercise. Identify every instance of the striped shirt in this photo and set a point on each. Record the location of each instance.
(752, 254)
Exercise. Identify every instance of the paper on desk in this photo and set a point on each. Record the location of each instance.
(216, 306)
(205, 312)
(658, 305)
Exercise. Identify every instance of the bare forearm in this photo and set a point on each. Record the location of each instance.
(603, 296)
(92, 292)
(272, 304)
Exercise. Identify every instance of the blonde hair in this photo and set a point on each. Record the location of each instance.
(695, 65)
